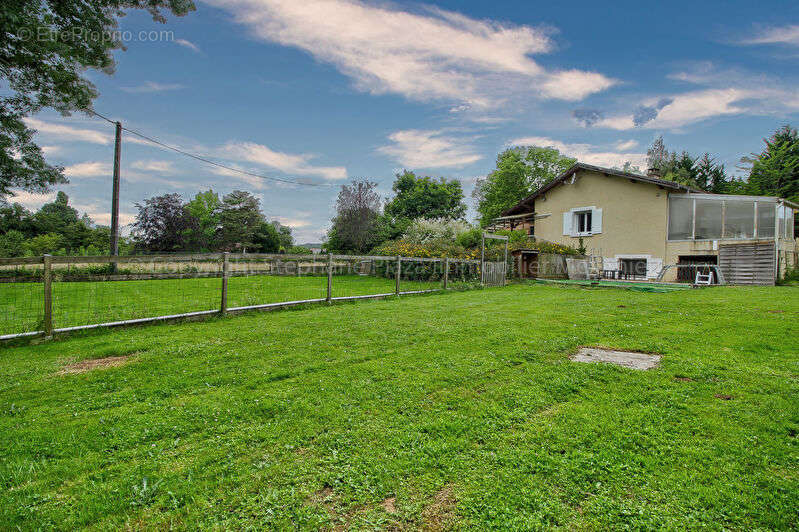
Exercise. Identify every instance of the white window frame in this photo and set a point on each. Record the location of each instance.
(596, 221)
(576, 222)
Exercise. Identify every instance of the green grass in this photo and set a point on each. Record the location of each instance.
(463, 406)
(86, 303)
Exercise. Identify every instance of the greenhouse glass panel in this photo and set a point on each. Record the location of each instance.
(708, 219)
(739, 219)
(765, 219)
(680, 218)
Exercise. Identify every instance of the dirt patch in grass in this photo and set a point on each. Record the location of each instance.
(723, 396)
(440, 514)
(682, 378)
(95, 363)
(775, 311)
(388, 505)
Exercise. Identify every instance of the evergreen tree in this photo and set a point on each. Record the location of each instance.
(775, 172)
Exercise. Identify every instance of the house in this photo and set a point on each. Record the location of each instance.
(640, 223)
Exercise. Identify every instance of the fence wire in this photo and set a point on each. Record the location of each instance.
(144, 287)
(90, 291)
(261, 280)
(21, 298)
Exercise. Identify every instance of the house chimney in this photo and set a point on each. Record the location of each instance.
(653, 171)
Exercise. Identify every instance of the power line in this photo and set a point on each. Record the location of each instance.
(209, 161)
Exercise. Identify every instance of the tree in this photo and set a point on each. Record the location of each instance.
(356, 226)
(161, 223)
(272, 237)
(775, 172)
(425, 197)
(52, 243)
(16, 218)
(519, 172)
(710, 175)
(699, 172)
(205, 209)
(12, 244)
(45, 46)
(239, 218)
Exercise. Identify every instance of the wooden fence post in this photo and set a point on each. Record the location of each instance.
(48, 296)
(482, 258)
(225, 269)
(446, 272)
(329, 277)
(399, 271)
(505, 276)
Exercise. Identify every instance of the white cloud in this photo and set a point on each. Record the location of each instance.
(416, 148)
(575, 84)
(187, 44)
(626, 144)
(102, 215)
(69, 133)
(50, 150)
(684, 109)
(152, 86)
(163, 167)
(285, 162)
(88, 169)
(294, 222)
(30, 200)
(431, 54)
(776, 35)
(255, 182)
(585, 153)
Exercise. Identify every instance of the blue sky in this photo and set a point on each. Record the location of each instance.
(323, 91)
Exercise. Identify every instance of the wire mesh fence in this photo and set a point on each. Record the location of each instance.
(42, 295)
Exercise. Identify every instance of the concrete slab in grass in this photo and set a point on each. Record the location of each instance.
(627, 359)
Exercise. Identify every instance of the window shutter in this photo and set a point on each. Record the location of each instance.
(596, 221)
(567, 223)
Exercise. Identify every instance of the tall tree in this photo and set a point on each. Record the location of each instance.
(425, 197)
(775, 172)
(161, 223)
(205, 208)
(239, 220)
(45, 46)
(356, 226)
(519, 172)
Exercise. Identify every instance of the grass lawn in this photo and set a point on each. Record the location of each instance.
(86, 303)
(456, 410)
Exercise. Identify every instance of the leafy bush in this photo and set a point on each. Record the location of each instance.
(426, 230)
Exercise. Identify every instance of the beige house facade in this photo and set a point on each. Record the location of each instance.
(640, 224)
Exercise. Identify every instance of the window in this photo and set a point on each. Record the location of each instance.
(582, 222)
(633, 268)
(531, 230)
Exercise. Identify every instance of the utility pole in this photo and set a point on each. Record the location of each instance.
(114, 249)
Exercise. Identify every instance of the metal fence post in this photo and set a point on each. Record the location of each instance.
(329, 277)
(225, 269)
(48, 296)
(397, 280)
(446, 272)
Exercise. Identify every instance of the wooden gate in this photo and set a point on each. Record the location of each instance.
(493, 273)
(748, 263)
